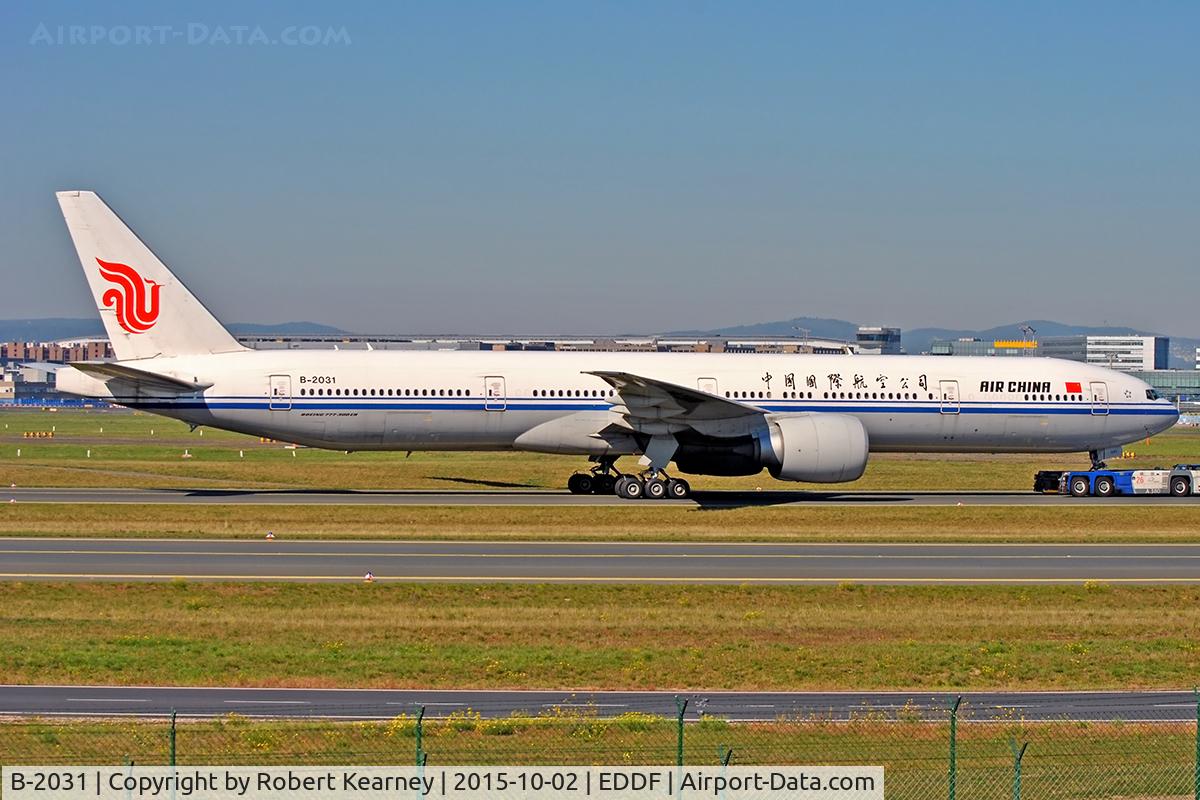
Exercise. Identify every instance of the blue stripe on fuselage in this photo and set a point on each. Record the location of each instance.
(422, 404)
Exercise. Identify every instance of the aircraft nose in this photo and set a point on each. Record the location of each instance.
(1168, 420)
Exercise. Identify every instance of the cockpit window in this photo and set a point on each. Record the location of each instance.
(1151, 394)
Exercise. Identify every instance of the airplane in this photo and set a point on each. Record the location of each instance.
(803, 417)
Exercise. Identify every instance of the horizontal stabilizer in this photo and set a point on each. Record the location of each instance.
(141, 378)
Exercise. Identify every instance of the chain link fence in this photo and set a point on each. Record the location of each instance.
(943, 750)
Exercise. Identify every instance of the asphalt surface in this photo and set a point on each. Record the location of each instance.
(537, 497)
(382, 703)
(592, 562)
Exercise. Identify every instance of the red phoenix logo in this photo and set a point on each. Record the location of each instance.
(137, 309)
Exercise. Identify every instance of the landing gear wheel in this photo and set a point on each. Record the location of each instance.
(1181, 486)
(678, 489)
(604, 484)
(1105, 487)
(656, 489)
(630, 488)
(1079, 487)
(581, 483)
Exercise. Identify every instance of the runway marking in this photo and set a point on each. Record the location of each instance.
(380, 717)
(596, 579)
(1081, 694)
(592, 542)
(269, 702)
(1121, 502)
(106, 700)
(613, 556)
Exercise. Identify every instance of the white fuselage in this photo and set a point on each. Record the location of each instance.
(397, 400)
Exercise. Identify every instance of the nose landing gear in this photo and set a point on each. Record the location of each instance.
(601, 479)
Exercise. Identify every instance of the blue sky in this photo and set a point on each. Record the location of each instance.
(620, 166)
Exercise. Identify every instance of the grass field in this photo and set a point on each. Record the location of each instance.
(134, 449)
(1138, 523)
(130, 449)
(628, 637)
(1064, 760)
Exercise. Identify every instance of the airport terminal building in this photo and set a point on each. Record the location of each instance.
(1119, 352)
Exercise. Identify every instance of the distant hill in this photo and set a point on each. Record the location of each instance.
(283, 329)
(48, 329)
(816, 327)
(51, 328)
(1183, 349)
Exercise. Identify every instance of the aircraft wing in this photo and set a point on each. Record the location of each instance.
(654, 406)
(140, 378)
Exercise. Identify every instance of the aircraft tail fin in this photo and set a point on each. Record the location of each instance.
(146, 310)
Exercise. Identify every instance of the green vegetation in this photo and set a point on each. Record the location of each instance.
(1066, 760)
(835, 523)
(124, 452)
(632, 637)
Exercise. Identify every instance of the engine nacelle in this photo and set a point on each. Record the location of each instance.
(817, 448)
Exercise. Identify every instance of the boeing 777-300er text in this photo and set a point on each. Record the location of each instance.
(803, 417)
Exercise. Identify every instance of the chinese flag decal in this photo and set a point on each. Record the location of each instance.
(1074, 388)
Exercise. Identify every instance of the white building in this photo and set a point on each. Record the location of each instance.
(877, 340)
(1124, 353)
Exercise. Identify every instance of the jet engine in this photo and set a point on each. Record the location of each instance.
(817, 448)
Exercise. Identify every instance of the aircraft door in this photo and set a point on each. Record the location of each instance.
(707, 385)
(1099, 398)
(280, 392)
(949, 397)
(495, 397)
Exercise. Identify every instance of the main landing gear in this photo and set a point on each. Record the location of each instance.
(603, 479)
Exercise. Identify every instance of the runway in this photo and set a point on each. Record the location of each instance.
(109, 701)
(538, 497)
(593, 562)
